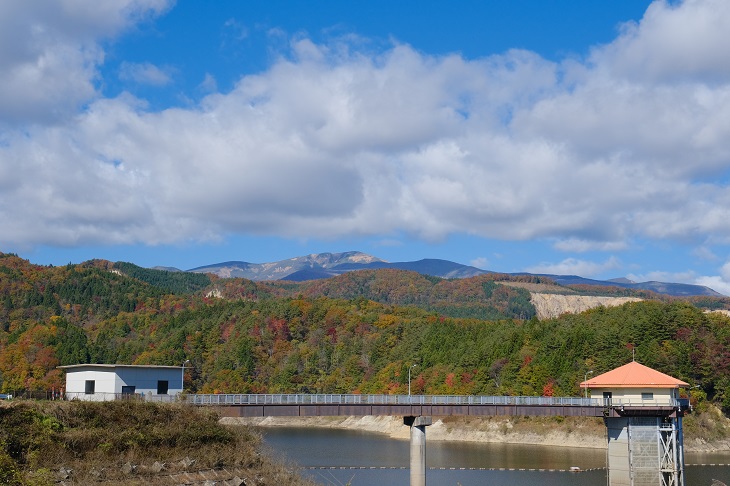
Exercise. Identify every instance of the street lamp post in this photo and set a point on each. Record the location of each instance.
(409, 378)
(585, 378)
(182, 381)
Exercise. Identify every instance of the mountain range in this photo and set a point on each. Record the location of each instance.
(325, 265)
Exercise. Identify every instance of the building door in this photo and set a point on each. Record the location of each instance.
(128, 390)
(607, 398)
(162, 387)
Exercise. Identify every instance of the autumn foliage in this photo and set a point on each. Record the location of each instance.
(357, 333)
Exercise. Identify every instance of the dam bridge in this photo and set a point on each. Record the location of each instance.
(642, 410)
(322, 405)
(645, 438)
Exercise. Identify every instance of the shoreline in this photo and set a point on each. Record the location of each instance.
(570, 433)
(443, 429)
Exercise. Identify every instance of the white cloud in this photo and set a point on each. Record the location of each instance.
(388, 242)
(725, 271)
(716, 283)
(209, 84)
(689, 277)
(581, 246)
(331, 141)
(674, 41)
(235, 30)
(572, 266)
(719, 283)
(144, 73)
(480, 262)
(705, 253)
(49, 53)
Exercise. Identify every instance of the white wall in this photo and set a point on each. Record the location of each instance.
(145, 379)
(110, 380)
(104, 383)
(633, 396)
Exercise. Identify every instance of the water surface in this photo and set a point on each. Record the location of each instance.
(312, 448)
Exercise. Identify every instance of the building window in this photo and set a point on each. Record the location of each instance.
(647, 396)
(162, 387)
(90, 387)
(128, 390)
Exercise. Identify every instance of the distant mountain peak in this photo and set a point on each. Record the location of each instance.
(167, 269)
(316, 266)
(621, 280)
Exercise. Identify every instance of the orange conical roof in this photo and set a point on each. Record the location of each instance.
(633, 375)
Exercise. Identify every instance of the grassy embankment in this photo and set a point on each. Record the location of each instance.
(706, 429)
(128, 443)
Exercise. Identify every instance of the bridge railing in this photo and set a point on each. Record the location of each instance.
(338, 399)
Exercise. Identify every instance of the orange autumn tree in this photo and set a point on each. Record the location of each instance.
(30, 362)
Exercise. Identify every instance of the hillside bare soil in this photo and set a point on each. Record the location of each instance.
(549, 306)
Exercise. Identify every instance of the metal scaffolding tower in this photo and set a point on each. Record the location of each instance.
(645, 451)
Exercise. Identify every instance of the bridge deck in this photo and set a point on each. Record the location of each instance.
(302, 405)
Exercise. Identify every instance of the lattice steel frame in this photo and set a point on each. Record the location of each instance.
(655, 452)
(671, 455)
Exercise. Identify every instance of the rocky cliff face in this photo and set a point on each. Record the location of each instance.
(553, 305)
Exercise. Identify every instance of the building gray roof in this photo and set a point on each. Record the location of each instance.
(112, 366)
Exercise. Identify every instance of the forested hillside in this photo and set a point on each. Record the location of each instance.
(287, 337)
(478, 297)
(172, 282)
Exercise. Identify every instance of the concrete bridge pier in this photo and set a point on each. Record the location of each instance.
(418, 447)
(645, 450)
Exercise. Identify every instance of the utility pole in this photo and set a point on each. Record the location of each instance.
(409, 378)
(182, 380)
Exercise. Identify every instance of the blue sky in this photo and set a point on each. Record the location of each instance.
(588, 138)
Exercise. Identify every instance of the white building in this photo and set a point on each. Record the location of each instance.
(644, 425)
(100, 382)
(635, 384)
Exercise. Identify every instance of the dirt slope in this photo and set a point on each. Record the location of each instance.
(553, 305)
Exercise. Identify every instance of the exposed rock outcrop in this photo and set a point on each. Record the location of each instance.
(553, 305)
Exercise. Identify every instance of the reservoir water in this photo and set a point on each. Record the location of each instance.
(313, 448)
